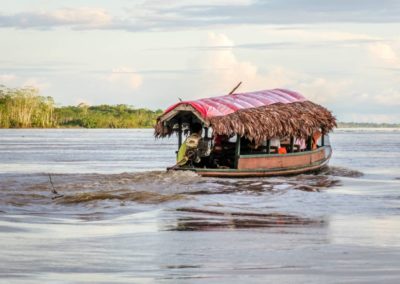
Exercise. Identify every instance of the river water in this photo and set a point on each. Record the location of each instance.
(115, 215)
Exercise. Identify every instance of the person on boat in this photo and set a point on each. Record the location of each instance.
(315, 137)
(301, 142)
(219, 142)
(223, 152)
(275, 144)
(189, 148)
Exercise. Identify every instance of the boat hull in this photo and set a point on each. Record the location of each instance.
(272, 165)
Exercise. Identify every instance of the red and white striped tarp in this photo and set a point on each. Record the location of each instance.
(223, 105)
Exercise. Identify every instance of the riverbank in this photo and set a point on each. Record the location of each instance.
(150, 126)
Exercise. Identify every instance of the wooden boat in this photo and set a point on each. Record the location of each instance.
(255, 119)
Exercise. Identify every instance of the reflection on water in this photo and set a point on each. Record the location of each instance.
(205, 220)
(97, 206)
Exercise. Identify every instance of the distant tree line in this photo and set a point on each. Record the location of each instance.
(25, 108)
(367, 125)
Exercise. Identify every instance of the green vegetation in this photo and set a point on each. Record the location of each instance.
(25, 108)
(105, 116)
(367, 125)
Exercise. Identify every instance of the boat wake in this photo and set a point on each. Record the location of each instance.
(196, 198)
(341, 172)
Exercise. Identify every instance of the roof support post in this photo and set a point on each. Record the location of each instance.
(237, 150)
(309, 143)
(267, 146)
(291, 144)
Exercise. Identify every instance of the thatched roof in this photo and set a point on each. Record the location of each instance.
(287, 117)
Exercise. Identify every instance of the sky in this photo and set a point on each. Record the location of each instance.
(343, 54)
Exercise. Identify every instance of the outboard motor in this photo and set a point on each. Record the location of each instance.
(197, 148)
(192, 148)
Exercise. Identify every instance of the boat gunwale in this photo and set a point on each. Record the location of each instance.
(312, 166)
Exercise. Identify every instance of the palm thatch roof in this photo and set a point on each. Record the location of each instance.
(295, 116)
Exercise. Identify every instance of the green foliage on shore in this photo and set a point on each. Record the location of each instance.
(105, 116)
(25, 108)
(367, 125)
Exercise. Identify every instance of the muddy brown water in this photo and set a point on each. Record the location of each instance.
(97, 206)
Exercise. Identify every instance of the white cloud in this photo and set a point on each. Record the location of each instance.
(126, 76)
(93, 17)
(390, 97)
(36, 83)
(322, 90)
(82, 17)
(384, 52)
(326, 35)
(225, 70)
(188, 14)
(13, 81)
(224, 67)
(194, 3)
(7, 78)
(388, 54)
